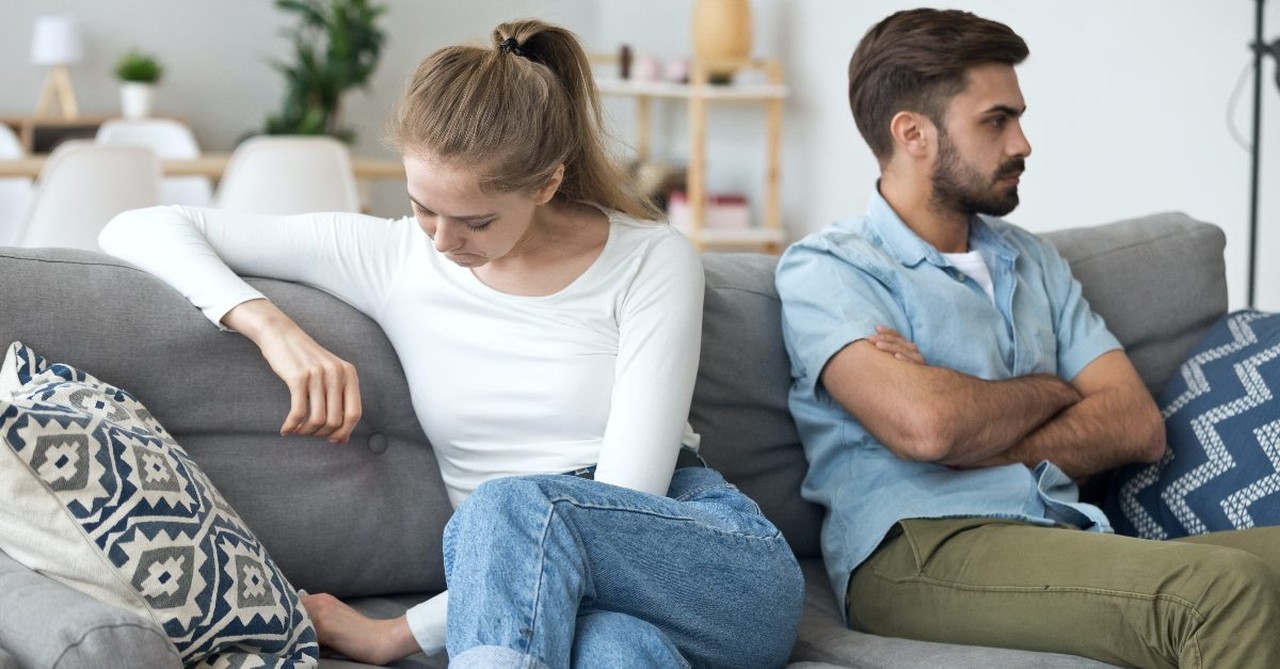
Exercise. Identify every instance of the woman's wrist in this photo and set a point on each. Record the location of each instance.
(256, 318)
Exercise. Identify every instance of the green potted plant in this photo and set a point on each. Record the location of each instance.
(138, 73)
(336, 47)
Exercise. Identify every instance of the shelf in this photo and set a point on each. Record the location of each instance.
(711, 92)
(42, 135)
(698, 95)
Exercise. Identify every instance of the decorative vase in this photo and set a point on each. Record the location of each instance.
(136, 99)
(722, 36)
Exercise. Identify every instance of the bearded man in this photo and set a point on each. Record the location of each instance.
(958, 384)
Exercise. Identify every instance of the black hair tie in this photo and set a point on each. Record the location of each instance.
(510, 45)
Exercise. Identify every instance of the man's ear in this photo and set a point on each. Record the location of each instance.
(548, 190)
(913, 133)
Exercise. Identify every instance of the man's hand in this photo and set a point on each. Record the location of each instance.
(890, 340)
(324, 390)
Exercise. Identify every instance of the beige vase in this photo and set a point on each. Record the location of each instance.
(722, 35)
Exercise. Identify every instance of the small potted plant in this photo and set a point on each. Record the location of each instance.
(138, 73)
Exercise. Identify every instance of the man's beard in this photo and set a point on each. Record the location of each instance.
(957, 187)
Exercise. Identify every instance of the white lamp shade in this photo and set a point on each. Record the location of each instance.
(55, 40)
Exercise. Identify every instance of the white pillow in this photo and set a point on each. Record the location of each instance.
(98, 496)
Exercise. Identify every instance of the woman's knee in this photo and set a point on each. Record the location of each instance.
(607, 638)
(498, 498)
(499, 505)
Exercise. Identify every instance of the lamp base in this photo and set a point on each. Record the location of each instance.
(57, 85)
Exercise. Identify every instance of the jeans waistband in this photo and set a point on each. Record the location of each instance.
(687, 457)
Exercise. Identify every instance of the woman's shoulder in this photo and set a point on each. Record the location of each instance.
(646, 236)
(645, 248)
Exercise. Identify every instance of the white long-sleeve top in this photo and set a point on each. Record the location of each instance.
(601, 372)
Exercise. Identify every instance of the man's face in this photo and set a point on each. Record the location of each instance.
(981, 148)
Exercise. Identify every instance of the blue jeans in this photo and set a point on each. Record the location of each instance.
(561, 571)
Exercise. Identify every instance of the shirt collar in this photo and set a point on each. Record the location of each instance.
(909, 249)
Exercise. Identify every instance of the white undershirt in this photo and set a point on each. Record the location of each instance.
(600, 372)
(974, 267)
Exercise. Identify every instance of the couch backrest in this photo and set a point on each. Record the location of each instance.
(361, 518)
(367, 517)
(1159, 281)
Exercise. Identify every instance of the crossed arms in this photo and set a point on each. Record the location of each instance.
(1102, 418)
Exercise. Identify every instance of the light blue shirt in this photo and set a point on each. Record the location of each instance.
(837, 285)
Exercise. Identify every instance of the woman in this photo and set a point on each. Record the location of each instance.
(547, 326)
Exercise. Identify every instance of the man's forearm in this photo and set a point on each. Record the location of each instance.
(934, 414)
(1102, 431)
(983, 419)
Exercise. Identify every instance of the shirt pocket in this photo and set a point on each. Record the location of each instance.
(1041, 350)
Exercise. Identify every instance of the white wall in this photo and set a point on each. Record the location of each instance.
(1129, 101)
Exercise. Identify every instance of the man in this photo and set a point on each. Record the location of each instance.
(950, 395)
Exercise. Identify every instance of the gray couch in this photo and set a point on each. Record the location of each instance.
(364, 520)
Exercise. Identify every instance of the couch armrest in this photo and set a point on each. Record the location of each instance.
(46, 624)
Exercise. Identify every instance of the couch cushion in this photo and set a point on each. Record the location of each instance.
(100, 497)
(1159, 281)
(361, 518)
(740, 399)
(46, 624)
(1222, 422)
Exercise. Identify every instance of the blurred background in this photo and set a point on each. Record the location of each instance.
(1134, 107)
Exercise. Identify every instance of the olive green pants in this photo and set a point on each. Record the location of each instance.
(1211, 601)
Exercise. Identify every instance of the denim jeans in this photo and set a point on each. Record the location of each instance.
(561, 571)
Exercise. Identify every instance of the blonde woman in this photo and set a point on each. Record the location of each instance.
(548, 325)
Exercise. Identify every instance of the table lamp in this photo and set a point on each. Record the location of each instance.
(55, 42)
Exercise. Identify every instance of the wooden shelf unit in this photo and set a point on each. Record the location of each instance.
(698, 94)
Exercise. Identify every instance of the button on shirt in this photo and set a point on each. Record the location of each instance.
(837, 285)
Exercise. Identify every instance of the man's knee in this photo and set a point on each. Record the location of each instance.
(1229, 579)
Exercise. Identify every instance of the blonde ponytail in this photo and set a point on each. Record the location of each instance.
(513, 113)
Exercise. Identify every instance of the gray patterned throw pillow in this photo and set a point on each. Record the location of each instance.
(98, 496)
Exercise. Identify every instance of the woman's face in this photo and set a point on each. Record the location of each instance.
(469, 226)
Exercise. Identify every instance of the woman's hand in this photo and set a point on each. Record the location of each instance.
(890, 341)
(324, 390)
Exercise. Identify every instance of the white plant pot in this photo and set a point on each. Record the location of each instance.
(136, 99)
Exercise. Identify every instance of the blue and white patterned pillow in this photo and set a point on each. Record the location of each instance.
(97, 495)
(1222, 419)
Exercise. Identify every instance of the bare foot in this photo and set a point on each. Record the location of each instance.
(343, 629)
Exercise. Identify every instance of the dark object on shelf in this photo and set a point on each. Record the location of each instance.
(624, 62)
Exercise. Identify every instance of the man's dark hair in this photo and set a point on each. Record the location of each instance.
(917, 60)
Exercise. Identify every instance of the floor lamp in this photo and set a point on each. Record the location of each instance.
(1260, 49)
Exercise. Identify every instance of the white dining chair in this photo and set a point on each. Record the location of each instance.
(168, 138)
(288, 175)
(81, 187)
(15, 193)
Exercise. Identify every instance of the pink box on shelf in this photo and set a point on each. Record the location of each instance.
(724, 211)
